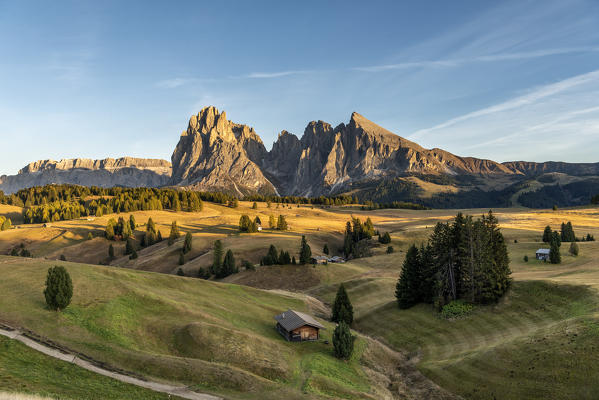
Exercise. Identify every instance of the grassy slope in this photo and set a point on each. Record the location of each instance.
(212, 336)
(25, 370)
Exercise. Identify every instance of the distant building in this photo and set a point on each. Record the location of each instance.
(259, 228)
(543, 254)
(319, 260)
(336, 259)
(295, 326)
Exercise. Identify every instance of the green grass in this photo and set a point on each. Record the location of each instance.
(481, 354)
(215, 337)
(24, 370)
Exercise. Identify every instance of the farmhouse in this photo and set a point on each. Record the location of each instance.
(297, 327)
(543, 254)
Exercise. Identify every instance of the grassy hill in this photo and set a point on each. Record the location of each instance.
(214, 337)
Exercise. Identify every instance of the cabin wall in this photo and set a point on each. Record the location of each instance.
(306, 333)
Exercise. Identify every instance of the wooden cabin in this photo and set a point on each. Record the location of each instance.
(543, 254)
(295, 326)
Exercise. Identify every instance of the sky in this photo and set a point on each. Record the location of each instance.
(509, 80)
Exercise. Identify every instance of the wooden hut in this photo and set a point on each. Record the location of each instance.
(297, 327)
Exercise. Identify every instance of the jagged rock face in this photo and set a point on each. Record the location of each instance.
(127, 171)
(216, 154)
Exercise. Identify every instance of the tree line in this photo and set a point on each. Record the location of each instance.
(464, 259)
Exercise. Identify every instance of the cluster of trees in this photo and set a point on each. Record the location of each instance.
(403, 205)
(357, 234)
(247, 225)
(465, 259)
(343, 315)
(20, 250)
(121, 229)
(5, 223)
(273, 257)
(566, 234)
(322, 200)
(385, 238)
(55, 211)
(221, 267)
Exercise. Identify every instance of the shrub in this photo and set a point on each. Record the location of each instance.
(390, 250)
(180, 272)
(59, 288)
(133, 255)
(456, 309)
(203, 273)
(62, 257)
(248, 265)
(525, 258)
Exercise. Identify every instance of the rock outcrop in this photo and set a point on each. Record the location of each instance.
(126, 171)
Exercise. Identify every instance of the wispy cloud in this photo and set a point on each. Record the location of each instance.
(485, 58)
(268, 75)
(173, 83)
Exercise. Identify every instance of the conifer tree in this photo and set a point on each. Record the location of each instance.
(111, 252)
(59, 288)
(325, 249)
(187, 243)
(547, 234)
(180, 271)
(555, 256)
(133, 255)
(174, 235)
(305, 251)
(272, 222)
(342, 307)
(129, 246)
(282, 223)
(229, 267)
(255, 206)
(574, 250)
(407, 290)
(217, 258)
(132, 222)
(90, 236)
(6, 224)
(343, 342)
(181, 259)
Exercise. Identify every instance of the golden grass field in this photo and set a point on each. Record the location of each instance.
(538, 342)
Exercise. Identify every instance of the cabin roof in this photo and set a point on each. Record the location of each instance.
(292, 319)
(543, 251)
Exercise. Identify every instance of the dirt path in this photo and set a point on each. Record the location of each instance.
(180, 391)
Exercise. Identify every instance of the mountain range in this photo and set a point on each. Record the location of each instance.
(359, 158)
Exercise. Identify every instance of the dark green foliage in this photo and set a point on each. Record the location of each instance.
(293, 261)
(229, 267)
(217, 258)
(525, 258)
(355, 242)
(282, 223)
(574, 250)
(129, 246)
(181, 258)
(26, 253)
(247, 225)
(456, 309)
(132, 222)
(187, 243)
(255, 206)
(204, 273)
(465, 259)
(133, 255)
(556, 237)
(554, 207)
(62, 257)
(14, 252)
(248, 265)
(390, 249)
(555, 256)
(385, 238)
(547, 234)
(111, 252)
(180, 271)
(325, 249)
(590, 238)
(343, 341)
(408, 288)
(305, 253)
(595, 199)
(284, 258)
(151, 236)
(272, 257)
(117, 230)
(342, 307)
(567, 232)
(59, 288)
(174, 235)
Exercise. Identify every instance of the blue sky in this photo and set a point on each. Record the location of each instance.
(502, 80)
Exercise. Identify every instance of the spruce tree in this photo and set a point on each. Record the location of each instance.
(217, 258)
(187, 243)
(59, 288)
(343, 342)
(547, 234)
(111, 252)
(555, 256)
(305, 251)
(132, 222)
(342, 307)
(181, 258)
(325, 249)
(174, 235)
(407, 290)
(129, 246)
(229, 267)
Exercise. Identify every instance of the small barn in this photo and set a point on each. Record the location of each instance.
(543, 254)
(319, 260)
(297, 327)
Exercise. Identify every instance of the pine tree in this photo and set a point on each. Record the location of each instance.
(217, 258)
(229, 267)
(272, 257)
(325, 249)
(132, 222)
(111, 252)
(129, 246)
(407, 290)
(59, 288)
(343, 342)
(181, 258)
(368, 229)
(385, 238)
(547, 234)
(305, 251)
(555, 256)
(342, 307)
(187, 243)
(174, 235)
(348, 243)
(282, 223)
